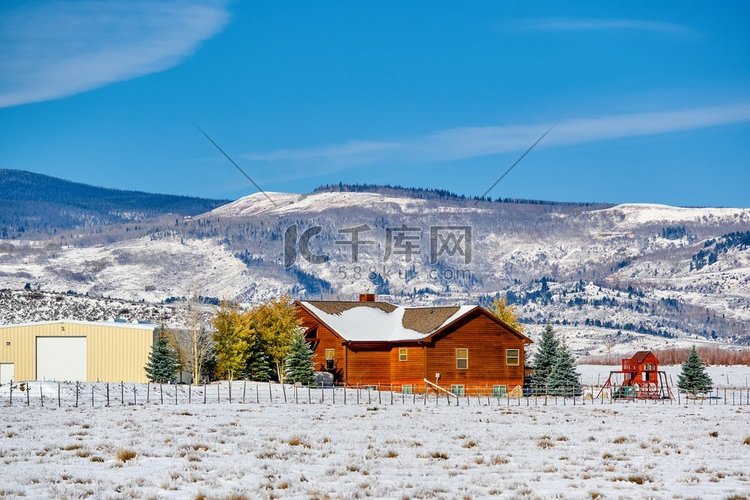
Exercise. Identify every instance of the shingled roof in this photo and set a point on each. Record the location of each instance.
(381, 321)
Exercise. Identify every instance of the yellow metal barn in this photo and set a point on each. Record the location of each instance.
(75, 351)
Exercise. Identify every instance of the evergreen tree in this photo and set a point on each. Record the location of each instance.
(162, 361)
(694, 379)
(298, 365)
(258, 365)
(545, 356)
(563, 379)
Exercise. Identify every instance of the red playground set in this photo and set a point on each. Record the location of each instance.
(639, 378)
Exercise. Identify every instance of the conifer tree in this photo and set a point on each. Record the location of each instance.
(298, 365)
(545, 356)
(563, 379)
(258, 365)
(694, 379)
(162, 361)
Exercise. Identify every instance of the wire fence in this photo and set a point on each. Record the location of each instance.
(93, 395)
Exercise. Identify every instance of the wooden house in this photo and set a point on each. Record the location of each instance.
(460, 349)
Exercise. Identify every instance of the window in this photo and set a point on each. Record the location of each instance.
(329, 359)
(499, 391)
(512, 357)
(649, 367)
(457, 390)
(407, 389)
(403, 354)
(462, 359)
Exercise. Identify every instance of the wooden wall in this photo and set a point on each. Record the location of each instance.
(487, 343)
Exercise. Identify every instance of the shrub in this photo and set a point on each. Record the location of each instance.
(125, 455)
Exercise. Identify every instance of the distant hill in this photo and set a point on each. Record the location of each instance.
(438, 194)
(31, 202)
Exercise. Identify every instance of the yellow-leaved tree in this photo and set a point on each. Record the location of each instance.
(276, 323)
(505, 313)
(232, 340)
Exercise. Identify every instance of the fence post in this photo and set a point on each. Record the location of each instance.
(204, 392)
(122, 393)
(333, 393)
(92, 395)
(218, 392)
(309, 395)
(296, 398)
(725, 396)
(257, 393)
(391, 394)
(135, 397)
(107, 390)
(344, 394)
(10, 401)
(28, 397)
(76, 394)
(161, 392)
(230, 391)
(244, 390)
(59, 400)
(322, 393)
(357, 392)
(380, 401)
(369, 396)
(175, 393)
(148, 391)
(41, 395)
(270, 392)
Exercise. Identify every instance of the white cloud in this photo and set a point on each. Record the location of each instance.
(56, 49)
(593, 24)
(470, 142)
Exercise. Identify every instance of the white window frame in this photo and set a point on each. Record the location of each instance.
(403, 354)
(332, 356)
(518, 357)
(461, 358)
(458, 390)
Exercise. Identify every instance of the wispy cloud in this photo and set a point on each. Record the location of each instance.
(56, 49)
(594, 24)
(470, 142)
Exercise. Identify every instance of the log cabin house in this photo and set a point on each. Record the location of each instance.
(461, 349)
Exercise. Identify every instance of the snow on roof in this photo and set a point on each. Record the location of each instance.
(140, 326)
(367, 321)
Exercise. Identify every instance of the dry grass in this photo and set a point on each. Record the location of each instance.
(439, 455)
(498, 460)
(124, 455)
(620, 440)
(545, 443)
(747, 441)
(391, 454)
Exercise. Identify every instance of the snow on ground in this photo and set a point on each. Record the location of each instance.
(722, 376)
(635, 214)
(382, 451)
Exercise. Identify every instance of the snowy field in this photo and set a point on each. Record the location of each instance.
(625, 450)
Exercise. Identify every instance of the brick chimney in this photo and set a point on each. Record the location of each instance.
(367, 297)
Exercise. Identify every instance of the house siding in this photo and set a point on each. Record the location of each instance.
(487, 342)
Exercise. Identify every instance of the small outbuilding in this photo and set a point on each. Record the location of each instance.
(80, 351)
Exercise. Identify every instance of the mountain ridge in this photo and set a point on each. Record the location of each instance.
(33, 202)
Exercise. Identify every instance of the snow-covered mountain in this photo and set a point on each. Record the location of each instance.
(628, 272)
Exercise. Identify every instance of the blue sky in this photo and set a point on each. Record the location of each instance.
(651, 100)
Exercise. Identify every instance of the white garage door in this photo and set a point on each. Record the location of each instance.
(7, 372)
(61, 358)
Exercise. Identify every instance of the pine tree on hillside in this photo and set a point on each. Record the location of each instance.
(162, 361)
(298, 365)
(563, 379)
(694, 379)
(545, 356)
